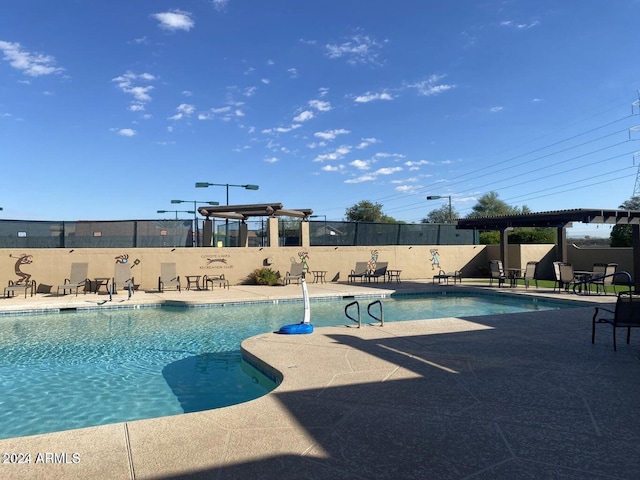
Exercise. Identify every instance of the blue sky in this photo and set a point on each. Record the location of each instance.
(110, 109)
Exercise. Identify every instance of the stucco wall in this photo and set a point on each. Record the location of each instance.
(49, 267)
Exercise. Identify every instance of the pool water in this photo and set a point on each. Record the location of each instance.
(69, 370)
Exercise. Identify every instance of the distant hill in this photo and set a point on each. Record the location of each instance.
(589, 241)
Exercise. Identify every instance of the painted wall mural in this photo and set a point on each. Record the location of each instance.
(22, 260)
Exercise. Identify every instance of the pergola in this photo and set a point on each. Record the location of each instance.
(244, 212)
(560, 219)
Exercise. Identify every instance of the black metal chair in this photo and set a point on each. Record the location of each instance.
(626, 315)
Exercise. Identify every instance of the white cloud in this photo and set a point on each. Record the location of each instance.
(320, 105)
(332, 168)
(416, 165)
(304, 116)
(388, 155)
(519, 26)
(323, 91)
(388, 170)
(136, 107)
(219, 4)
(128, 84)
(293, 73)
(32, 64)
(370, 97)
(359, 49)
(281, 129)
(271, 160)
(175, 20)
(373, 175)
(430, 86)
(187, 93)
(266, 81)
(366, 142)
(331, 134)
(184, 110)
(410, 180)
(361, 164)
(364, 178)
(127, 132)
(496, 109)
(337, 154)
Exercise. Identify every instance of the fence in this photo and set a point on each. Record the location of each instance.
(180, 233)
(365, 234)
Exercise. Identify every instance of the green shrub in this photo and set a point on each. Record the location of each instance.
(265, 276)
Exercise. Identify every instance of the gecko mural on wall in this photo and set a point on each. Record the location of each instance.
(23, 259)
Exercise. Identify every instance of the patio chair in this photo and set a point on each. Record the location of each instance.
(496, 272)
(530, 274)
(296, 273)
(380, 271)
(556, 273)
(168, 277)
(360, 270)
(567, 278)
(600, 276)
(626, 315)
(123, 278)
(78, 278)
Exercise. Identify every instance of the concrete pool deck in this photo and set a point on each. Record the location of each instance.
(494, 397)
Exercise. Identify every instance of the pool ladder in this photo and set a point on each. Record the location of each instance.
(358, 320)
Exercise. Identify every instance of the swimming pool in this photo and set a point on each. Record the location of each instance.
(70, 370)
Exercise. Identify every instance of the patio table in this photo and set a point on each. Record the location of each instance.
(513, 274)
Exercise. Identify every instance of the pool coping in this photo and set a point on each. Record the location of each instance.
(272, 437)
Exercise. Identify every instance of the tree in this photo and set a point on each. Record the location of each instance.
(367, 211)
(489, 205)
(440, 215)
(621, 235)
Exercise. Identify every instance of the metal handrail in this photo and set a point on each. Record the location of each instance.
(600, 277)
(346, 312)
(381, 319)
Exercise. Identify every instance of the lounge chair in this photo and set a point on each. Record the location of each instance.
(11, 289)
(360, 271)
(123, 278)
(295, 273)
(626, 315)
(213, 279)
(496, 272)
(443, 276)
(380, 271)
(168, 277)
(78, 278)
